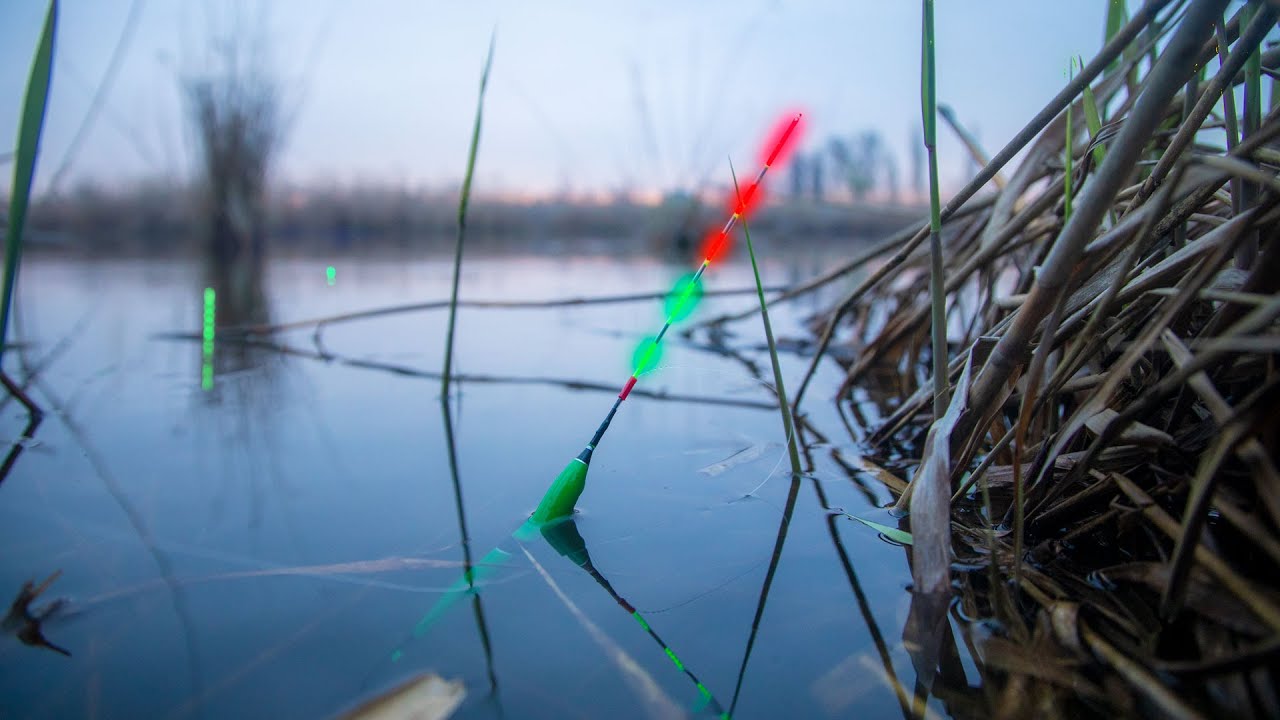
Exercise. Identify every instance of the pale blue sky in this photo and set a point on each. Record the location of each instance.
(385, 90)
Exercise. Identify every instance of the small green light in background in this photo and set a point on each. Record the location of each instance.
(207, 335)
(331, 274)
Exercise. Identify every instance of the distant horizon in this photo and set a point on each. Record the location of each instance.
(651, 98)
(712, 193)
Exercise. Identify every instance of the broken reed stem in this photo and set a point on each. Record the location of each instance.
(1169, 75)
(970, 142)
(1213, 90)
(1112, 51)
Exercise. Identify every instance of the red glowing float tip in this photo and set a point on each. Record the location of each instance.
(781, 139)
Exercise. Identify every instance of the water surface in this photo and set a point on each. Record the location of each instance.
(263, 547)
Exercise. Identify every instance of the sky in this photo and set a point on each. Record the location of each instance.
(584, 97)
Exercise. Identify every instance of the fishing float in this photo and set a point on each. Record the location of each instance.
(552, 521)
(561, 498)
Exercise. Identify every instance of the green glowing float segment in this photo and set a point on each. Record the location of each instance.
(646, 356)
(684, 298)
(563, 493)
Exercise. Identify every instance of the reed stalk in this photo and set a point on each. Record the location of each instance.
(30, 126)
(788, 422)
(937, 281)
(463, 200)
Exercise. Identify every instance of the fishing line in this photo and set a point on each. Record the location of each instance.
(744, 379)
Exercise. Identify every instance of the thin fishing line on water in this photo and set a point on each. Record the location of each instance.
(737, 381)
(745, 379)
(705, 593)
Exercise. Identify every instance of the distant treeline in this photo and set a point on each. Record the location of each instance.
(159, 219)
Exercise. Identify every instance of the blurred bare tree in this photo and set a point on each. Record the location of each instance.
(863, 164)
(235, 114)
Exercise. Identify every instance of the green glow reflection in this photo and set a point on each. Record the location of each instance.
(207, 337)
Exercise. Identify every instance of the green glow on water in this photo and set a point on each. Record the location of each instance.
(331, 274)
(646, 357)
(207, 337)
(683, 298)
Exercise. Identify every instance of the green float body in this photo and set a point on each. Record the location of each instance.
(563, 494)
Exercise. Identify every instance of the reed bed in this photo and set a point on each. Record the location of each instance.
(1111, 439)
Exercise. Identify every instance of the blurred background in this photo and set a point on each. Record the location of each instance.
(368, 106)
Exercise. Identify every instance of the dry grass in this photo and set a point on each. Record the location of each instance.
(1112, 445)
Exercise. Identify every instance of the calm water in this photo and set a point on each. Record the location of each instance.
(264, 547)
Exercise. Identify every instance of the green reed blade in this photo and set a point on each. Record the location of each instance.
(463, 202)
(24, 169)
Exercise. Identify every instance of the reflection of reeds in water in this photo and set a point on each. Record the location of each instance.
(234, 109)
(563, 536)
(774, 559)
(468, 566)
(788, 427)
(235, 293)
